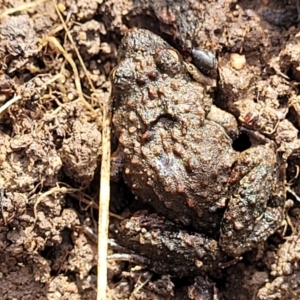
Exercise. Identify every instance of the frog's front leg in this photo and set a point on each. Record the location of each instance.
(167, 247)
(255, 209)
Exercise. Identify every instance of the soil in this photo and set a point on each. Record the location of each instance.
(52, 93)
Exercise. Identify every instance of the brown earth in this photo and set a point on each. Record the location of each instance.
(50, 133)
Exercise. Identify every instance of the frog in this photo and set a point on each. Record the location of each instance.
(177, 156)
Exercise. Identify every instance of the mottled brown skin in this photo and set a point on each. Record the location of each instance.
(178, 153)
(172, 249)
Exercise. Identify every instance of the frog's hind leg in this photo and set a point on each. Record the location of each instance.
(255, 210)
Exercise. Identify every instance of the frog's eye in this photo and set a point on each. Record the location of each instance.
(175, 54)
(168, 60)
(112, 74)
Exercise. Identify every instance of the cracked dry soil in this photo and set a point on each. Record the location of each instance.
(50, 148)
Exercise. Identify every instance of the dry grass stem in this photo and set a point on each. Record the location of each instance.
(54, 42)
(5, 106)
(54, 190)
(103, 220)
(21, 7)
(75, 48)
(9, 103)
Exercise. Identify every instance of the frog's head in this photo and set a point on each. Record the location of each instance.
(143, 60)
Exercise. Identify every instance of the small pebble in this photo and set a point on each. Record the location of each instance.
(237, 61)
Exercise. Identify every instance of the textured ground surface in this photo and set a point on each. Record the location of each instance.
(50, 139)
